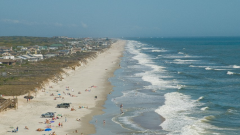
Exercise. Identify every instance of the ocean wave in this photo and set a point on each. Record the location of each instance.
(145, 48)
(152, 76)
(181, 61)
(208, 68)
(197, 66)
(208, 118)
(135, 97)
(231, 73)
(159, 50)
(235, 66)
(200, 98)
(232, 111)
(204, 108)
(181, 86)
(180, 56)
(217, 68)
(175, 111)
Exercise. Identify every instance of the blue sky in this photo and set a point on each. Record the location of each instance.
(120, 18)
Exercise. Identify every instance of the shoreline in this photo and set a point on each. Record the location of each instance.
(98, 110)
(28, 114)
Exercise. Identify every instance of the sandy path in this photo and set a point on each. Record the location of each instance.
(96, 73)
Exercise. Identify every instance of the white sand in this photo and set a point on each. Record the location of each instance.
(96, 72)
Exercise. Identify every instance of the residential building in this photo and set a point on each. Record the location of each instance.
(7, 61)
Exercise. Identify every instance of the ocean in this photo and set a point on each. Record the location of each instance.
(175, 86)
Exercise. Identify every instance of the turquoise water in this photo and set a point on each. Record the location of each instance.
(175, 86)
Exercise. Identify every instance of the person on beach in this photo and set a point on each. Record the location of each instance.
(104, 122)
(17, 129)
(65, 119)
(59, 124)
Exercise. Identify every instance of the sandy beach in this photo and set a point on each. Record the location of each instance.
(89, 79)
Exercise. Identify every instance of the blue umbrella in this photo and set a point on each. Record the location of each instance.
(48, 129)
(59, 94)
(51, 121)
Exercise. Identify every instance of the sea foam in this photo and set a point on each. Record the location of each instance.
(176, 109)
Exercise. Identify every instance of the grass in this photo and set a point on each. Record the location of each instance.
(22, 78)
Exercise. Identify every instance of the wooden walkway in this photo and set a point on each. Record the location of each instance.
(8, 103)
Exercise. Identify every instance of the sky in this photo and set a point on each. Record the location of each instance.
(120, 18)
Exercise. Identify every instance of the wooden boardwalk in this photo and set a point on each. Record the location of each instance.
(8, 103)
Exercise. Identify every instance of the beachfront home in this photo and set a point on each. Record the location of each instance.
(75, 50)
(50, 55)
(56, 46)
(29, 57)
(64, 52)
(43, 48)
(24, 49)
(6, 54)
(40, 56)
(5, 49)
(8, 57)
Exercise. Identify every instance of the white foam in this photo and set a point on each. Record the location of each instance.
(218, 68)
(181, 86)
(230, 73)
(126, 120)
(135, 96)
(152, 76)
(208, 68)
(175, 111)
(180, 61)
(145, 48)
(204, 108)
(180, 56)
(235, 66)
(200, 98)
(159, 50)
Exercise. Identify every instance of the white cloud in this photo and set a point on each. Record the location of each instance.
(84, 25)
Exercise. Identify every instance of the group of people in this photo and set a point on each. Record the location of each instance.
(15, 130)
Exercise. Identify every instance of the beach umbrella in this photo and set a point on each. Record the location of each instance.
(51, 121)
(48, 129)
(59, 94)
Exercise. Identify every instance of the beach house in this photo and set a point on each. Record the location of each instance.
(56, 46)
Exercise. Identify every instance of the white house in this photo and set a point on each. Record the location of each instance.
(40, 56)
(8, 57)
(29, 57)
